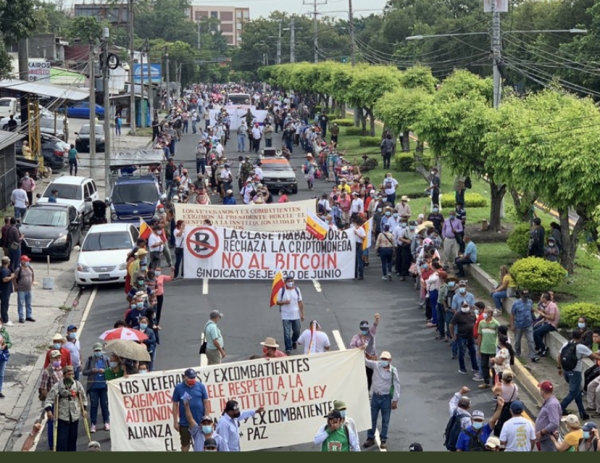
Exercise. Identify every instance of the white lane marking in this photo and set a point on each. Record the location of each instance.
(203, 358)
(205, 286)
(341, 346)
(317, 286)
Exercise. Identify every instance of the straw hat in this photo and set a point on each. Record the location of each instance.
(270, 342)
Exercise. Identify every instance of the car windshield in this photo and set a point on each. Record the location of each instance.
(107, 241)
(86, 129)
(64, 191)
(239, 99)
(276, 168)
(135, 193)
(4, 102)
(45, 218)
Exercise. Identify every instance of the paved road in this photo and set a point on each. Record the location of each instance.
(428, 377)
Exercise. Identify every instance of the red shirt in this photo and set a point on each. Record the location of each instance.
(278, 353)
(368, 201)
(426, 273)
(65, 357)
(476, 326)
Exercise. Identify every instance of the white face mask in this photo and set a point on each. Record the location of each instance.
(464, 309)
(290, 284)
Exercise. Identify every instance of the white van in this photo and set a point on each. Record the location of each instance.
(9, 107)
(239, 99)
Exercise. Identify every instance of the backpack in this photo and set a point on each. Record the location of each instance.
(475, 444)
(283, 290)
(468, 184)
(453, 430)
(18, 276)
(568, 356)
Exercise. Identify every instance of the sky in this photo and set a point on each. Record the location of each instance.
(258, 8)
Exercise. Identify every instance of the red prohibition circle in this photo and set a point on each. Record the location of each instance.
(211, 245)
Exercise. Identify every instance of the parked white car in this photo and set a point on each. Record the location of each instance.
(102, 258)
(47, 122)
(79, 192)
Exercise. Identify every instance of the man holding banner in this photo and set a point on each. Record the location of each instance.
(359, 235)
(228, 425)
(195, 393)
(292, 313)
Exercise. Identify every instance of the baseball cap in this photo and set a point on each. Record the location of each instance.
(385, 355)
(25, 259)
(215, 314)
(339, 405)
(589, 426)
(54, 354)
(415, 447)
(97, 347)
(478, 414)
(190, 373)
(571, 420)
(492, 442)
(206, 418)
(334, 415)
(210, 443)
(71, 327)
(231, 405)
(546, 386)
(364, 324)
(517, 407)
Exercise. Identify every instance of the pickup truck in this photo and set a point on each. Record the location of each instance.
(9, 107)
(133, 198)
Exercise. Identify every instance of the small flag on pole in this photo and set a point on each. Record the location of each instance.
(315, 226)
(368, 226)
(313, 328)
(276, 287)
(145, 230)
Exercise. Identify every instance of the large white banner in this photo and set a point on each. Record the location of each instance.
(237, 114)
(258, 217)
(297, 392)
(223, 253)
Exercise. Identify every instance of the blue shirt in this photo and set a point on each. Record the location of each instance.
(52, 199)
(471, 249)
(464, 440)
(229, 200)
(99, 378)
(458, 299)
(522, 313)
(198, 393)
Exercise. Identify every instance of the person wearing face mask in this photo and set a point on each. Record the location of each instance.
(390, 185)
(589, 440)
(194, 392)
(521, 322)
(403, 236)
(116, 369)
(203, 431)
(366, 337)
(74, 347)
(291, 308)
(479, 312)
(96, 387)
(451, 232)
(150, 341)
(434, 186)
(464, 320)
(474, 437)
(445, 295)
(139, 284)
(135, 314)
(384, 398)
(336, 435)
(387, 219)
(135, 265)
(587, 335)
(403, 208)
(340, 406)
(57, 344)
(229, 424)
(52, 374)
(436, 219)
(161, 279)
(23, 284)
(486, 344)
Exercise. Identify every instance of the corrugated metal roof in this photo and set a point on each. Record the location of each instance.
(8, 138)
(46, 89)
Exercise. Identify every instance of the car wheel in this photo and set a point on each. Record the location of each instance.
(68, 255)
(294, 190)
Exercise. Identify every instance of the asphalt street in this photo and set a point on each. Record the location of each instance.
(428, 376)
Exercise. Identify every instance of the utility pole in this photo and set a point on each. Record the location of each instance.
(132, 115)
(497, 54)
(142, 80)
(316, 26)
(292, 41)
(167, 79)
(279, 44)
(198, 34)
(150, 83)
(352, 37)
(92, 65)
(24, 75)
(107, 115)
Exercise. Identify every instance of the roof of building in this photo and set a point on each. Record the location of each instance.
(45, 89)
(8, 138)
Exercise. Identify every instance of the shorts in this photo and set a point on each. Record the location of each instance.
(185, 436)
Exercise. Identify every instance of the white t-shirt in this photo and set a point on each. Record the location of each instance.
(258, 172)
(389, 185)
(290, 311)
(357, 206)
(360, 235)
(155, 239)
(518, 432)
(320, 342)
(19, 198)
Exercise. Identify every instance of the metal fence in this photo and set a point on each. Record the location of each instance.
(8, 175)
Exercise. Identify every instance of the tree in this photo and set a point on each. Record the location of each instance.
(17, 21)
(51, 18)
(87, 29)
(532, 153)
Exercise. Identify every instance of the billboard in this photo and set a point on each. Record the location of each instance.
(39, 69)
(155, 73)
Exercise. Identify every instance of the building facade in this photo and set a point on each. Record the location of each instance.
(231, 19)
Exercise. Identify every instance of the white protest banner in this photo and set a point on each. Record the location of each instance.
(296, 392)
(237, 114)
(223, 253)
(257, 217)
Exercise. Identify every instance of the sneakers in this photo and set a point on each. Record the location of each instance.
(477, 378)
(2, 396)
(383, 444)
(543, 352)
(93, 428)
(369, 443)
(384, 277)
(30, 319)
(462, 372)
(106, 427)
(9, 323)
(484, 386)
(535, 359)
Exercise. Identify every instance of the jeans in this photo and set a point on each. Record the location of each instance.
(201, 166)
(4, 303)
(360, 265)
(441, 320)
(99, 397)
(498, 297)
(383, 404)
(433, 302)
(194, 129)
(72, 166)
(573, 379)
(460, 263)
(160, 299)
(20, 212)
(465, 344)
(2, 370)
(385, 254)
(538, 335)
(50, 427)
(178, 261)
(387, 157)
(15, 258)
(241, 142)
(77, 373)
(392, 199)
(528, 332)
(291, 333)
(24, 300)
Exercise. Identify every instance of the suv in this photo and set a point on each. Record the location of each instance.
(79, 192)
(277, 172)
(134, 198)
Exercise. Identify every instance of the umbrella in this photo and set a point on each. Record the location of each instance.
(129, 350)
(126, 334)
